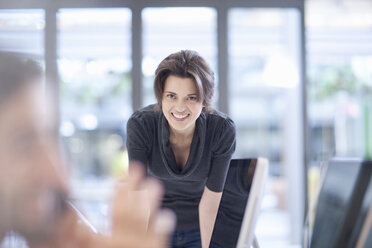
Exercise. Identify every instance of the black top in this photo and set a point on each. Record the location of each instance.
(211, 149)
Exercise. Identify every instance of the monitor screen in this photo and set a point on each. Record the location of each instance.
(339, 203)
(240, 203)
(361, 236)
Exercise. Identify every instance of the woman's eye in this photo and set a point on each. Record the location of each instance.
(193, 98)
(171, 96)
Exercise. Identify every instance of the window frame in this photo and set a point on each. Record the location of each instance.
(222, 6)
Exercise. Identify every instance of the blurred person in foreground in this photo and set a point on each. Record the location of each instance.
(33, 189)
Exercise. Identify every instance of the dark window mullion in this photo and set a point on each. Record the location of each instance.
(137, 43)
(222, 44)
(50, 53)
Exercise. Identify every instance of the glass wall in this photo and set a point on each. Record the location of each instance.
(339, 38)
(95, 88)
(20, 25)
(169, 30)
(264, 103)
(94, 62)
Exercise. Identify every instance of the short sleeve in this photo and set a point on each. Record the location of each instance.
(138, 139)
(222, 150)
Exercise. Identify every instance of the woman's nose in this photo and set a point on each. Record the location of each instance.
(180, 106)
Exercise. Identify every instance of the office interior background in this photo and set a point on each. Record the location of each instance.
(295, 76)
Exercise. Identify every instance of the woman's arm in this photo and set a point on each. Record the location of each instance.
(208, 208)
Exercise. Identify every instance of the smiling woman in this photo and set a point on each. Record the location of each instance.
(180, 104)
(185, 143)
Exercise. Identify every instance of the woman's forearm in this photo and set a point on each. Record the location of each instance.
(208, 208)
(207, 220)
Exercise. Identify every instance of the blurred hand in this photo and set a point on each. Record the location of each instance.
(131, 226)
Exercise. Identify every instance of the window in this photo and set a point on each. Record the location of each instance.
(95, 64)
(18, 26)
(339, 38)
(264, 103)
(95, 100)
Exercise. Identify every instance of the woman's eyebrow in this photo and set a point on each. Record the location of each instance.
(192, 94)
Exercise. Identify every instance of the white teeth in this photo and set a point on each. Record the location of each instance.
(179, 116)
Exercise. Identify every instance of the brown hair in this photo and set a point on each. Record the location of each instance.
(186, 64)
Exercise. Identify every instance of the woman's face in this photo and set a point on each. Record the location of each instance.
(180, 104)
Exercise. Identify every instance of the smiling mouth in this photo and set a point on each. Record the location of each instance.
(180, 117)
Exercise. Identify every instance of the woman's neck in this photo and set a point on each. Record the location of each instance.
(177, 136)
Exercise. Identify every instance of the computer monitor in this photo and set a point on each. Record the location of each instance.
(240, 203)
(361, 236)
(339, 203)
